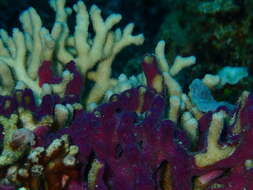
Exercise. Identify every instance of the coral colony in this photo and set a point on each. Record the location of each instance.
(137, 133)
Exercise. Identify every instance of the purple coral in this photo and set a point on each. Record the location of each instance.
(127, 144)
(132, 142)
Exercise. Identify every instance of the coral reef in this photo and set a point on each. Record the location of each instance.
(218, 32)
(24, 52)
(144, 132)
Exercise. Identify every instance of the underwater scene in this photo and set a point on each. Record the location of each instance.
(126, 95)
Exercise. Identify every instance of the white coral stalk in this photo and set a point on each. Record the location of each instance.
(25, 50)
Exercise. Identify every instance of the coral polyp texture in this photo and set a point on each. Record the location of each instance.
(142, 132)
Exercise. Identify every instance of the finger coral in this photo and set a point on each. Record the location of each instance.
(144, 132)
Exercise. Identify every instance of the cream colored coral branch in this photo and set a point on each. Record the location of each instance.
(7, 81)
(169, 73)
(85, 50)
(22, 53)
(16, 59)
(102, 76)
(32, 24)
(214, 152)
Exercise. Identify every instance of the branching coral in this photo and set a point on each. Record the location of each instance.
(24, 52)
(147, 134)
(219, 32)
(143, 150)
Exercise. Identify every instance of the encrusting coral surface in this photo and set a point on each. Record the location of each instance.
(143, 132)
